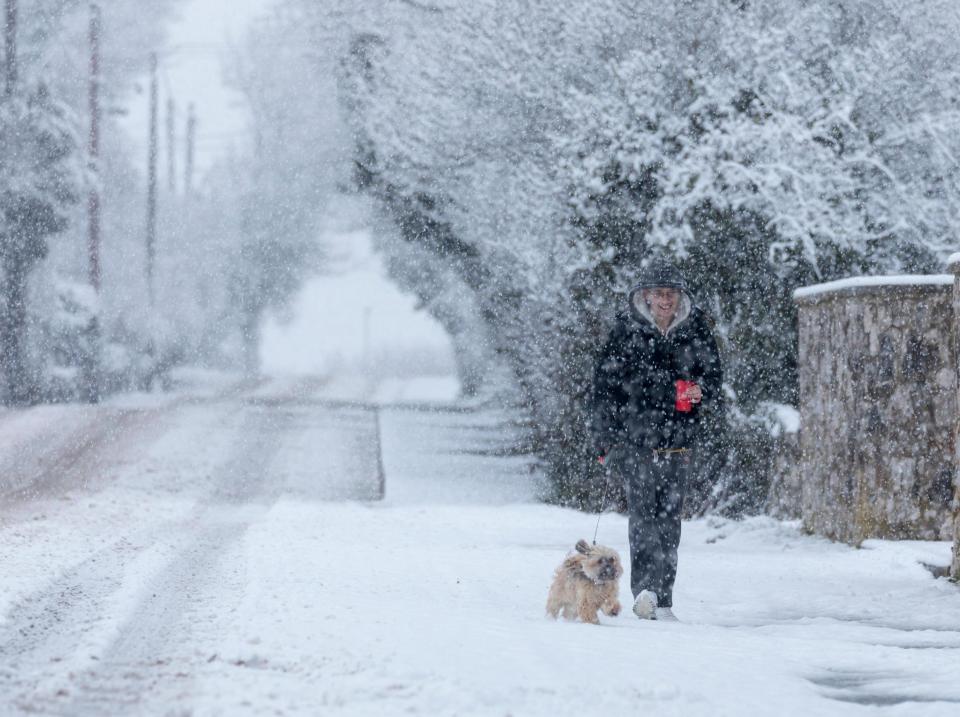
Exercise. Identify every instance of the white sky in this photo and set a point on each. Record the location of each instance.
(327, 317)
(192, 71)
(327, 327)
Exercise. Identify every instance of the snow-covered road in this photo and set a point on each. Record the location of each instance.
(226, 552)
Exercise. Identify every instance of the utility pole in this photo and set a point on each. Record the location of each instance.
(171, 145)
(93, 203)
(367, 359)
(191, 142)
(10, 42)
(91, 363)
(152, 179)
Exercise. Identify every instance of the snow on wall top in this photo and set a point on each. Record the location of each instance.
(953, 259)
(859, 282)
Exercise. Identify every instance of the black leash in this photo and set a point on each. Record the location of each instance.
(603, 507)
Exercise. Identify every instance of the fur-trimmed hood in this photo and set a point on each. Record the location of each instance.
(660, 273)
(641, 312)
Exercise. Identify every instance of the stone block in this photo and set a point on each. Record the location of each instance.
(878, 404)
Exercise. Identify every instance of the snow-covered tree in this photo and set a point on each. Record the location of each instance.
(542, 152)
(287, 180)
(40, 178)
(766, 156)
(53, 51)
(765, 148)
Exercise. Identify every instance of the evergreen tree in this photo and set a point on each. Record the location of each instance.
(40, 178)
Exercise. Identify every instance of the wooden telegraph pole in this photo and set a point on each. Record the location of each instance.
(93, 202)
(10, 43)
(191, 141)
(91, 363)
(171, 145)
(152, 181)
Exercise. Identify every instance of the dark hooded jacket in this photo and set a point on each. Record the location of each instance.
(634, 390)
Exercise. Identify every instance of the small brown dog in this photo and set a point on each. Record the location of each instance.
(586, 582)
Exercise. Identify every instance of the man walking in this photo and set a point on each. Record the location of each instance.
(656, 374)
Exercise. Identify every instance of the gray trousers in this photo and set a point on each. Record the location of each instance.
(655, 489)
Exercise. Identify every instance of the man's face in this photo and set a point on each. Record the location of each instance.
(663, 302)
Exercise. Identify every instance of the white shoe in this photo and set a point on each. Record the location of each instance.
(666, 614)
(645, 606)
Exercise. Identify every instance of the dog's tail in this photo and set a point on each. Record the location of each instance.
(583, 546)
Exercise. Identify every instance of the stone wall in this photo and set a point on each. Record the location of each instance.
(953, 265)
(878, 405)
(786, 492)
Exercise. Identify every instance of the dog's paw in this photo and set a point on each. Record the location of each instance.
(614, 609)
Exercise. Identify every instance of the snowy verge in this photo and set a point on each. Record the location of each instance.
(372, 609)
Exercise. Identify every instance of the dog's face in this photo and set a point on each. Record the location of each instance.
(599, 563)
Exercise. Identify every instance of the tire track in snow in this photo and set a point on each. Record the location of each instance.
(97, 437)
(138, 618)
(178, 620)
(54, 463)
(142, 656)
(175, 633)
(60, 628)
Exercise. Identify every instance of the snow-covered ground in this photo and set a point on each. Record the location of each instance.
(225, 553)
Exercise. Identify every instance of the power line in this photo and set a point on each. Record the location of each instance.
(212, 48)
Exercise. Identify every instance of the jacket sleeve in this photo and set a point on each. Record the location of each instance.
(608, 397)
(712, 380)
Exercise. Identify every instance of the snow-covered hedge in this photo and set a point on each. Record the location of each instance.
(542, 152)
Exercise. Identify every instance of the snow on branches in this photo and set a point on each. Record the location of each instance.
(840, 143)
(544, 151)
